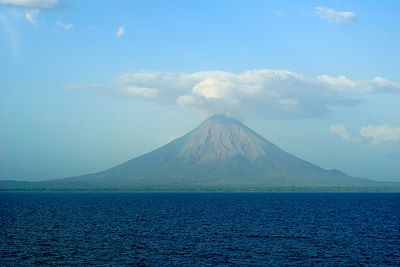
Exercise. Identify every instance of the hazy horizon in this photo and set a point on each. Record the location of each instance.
(85, 86)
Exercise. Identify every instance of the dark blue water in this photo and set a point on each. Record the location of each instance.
(199, 229)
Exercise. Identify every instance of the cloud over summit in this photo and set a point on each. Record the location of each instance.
(266, 92)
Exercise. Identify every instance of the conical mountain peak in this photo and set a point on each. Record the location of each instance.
(221, 138)
(220, 119)
(220, 152)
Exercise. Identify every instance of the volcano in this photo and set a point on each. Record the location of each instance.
(220, 153)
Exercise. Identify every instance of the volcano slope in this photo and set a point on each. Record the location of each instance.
(220, 154)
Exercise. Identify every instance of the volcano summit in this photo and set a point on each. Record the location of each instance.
(220, 153)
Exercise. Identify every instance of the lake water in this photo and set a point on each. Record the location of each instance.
(197, 229)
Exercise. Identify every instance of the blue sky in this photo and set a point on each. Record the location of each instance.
(85, 85)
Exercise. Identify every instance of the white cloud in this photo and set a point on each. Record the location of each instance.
(383, 83)
(289, 103)
(65, 26)
(342, 132)
(121, 31)
(141, 91)
(265, 92)
(31, 3)
(374, 133)
(31, 16)
(343, 83)
(333, 16)
(380, 133)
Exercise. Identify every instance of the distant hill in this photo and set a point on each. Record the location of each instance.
(221, 153)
